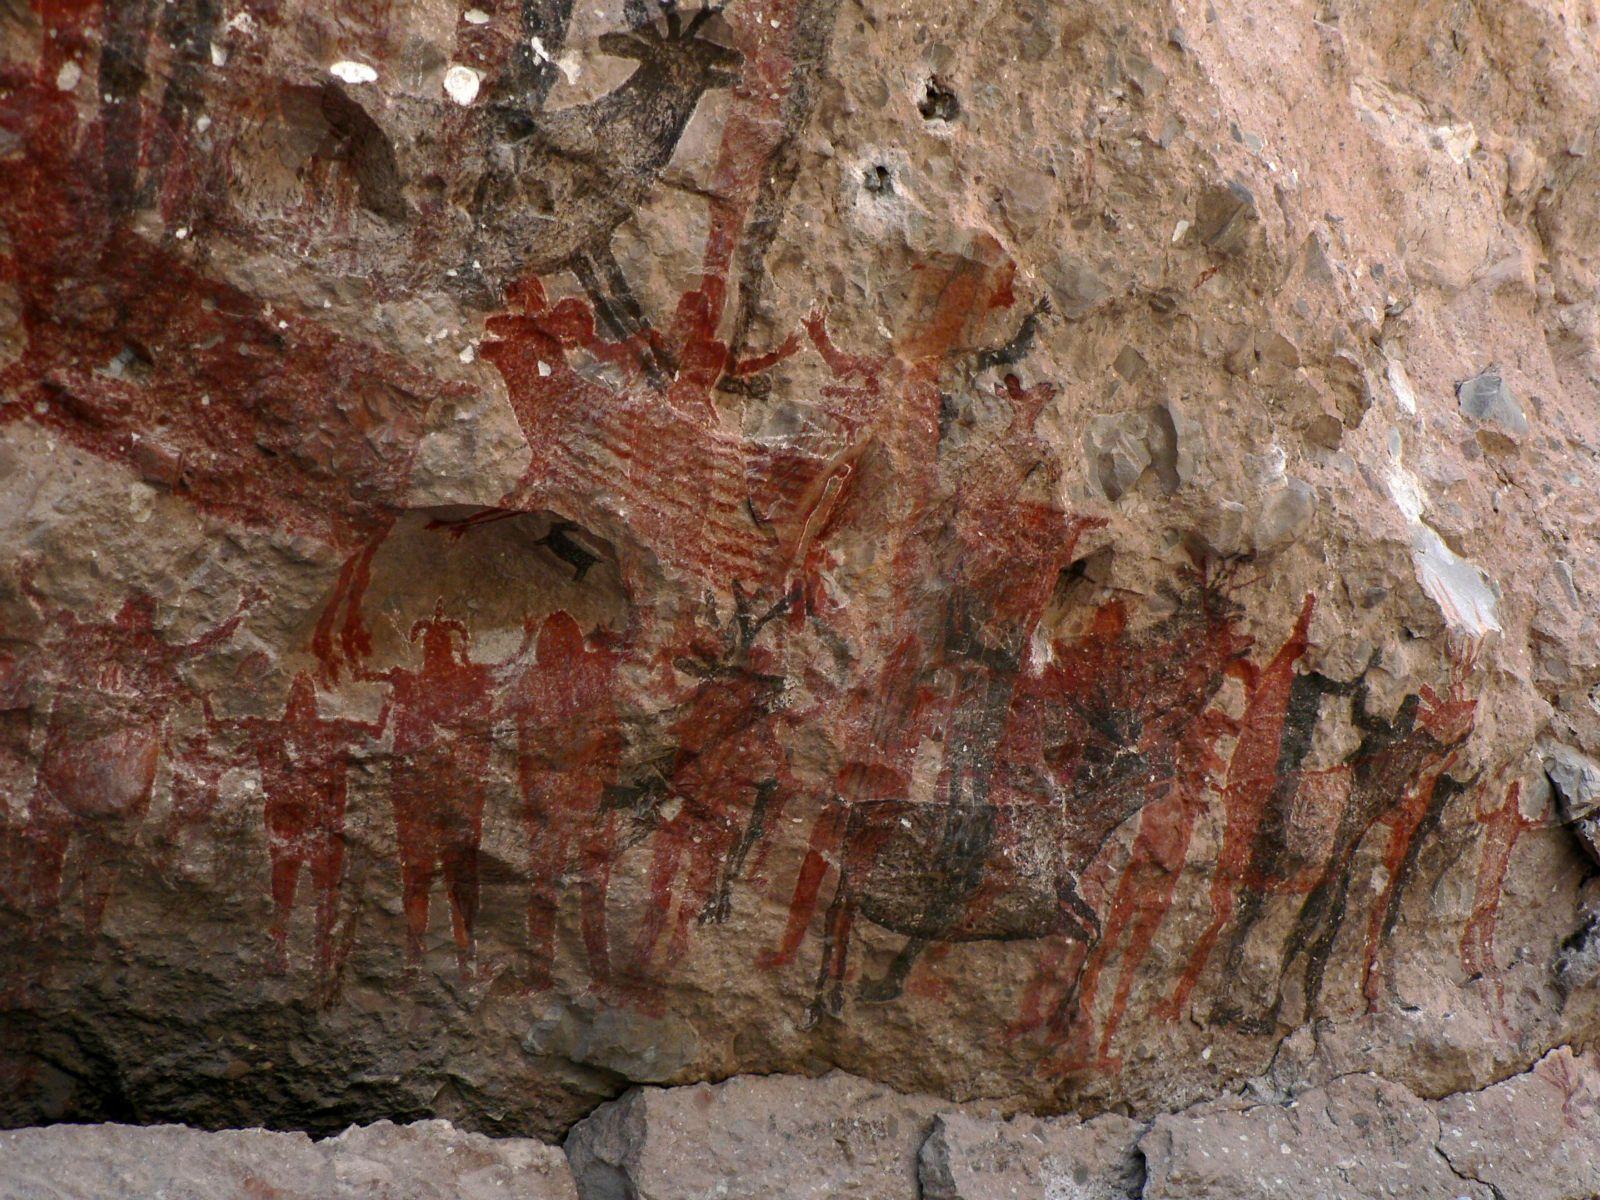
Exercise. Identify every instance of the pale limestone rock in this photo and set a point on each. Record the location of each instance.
(750, 1138)
(1358, 1136)
(969, 1158)
(428, 1160)
(1534, 1137)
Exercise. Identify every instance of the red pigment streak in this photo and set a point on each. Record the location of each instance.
(563, 706)
(1440, 723)
(1502, 827)
(441, 714)
(1251, 781)
(1161, 695)
(304, 760)
(114, 685)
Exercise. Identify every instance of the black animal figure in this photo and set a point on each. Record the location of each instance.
(558, 184)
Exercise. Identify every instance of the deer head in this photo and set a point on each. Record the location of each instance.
(688, 61)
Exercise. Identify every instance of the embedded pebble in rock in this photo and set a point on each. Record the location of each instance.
(1576, 780)
(1487, 399)
(1034, 553)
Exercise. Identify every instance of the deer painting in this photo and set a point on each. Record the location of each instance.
(558, 184)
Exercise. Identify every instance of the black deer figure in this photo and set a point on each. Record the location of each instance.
(558, 184)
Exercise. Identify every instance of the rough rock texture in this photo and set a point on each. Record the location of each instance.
(1534, 1136)
(969, 1158)
(549, 547)
(750, 1138)
(428, 1160)
(1359, 1136)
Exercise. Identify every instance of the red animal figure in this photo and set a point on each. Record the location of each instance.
(942, 871)
(116, 684)
(304, 760)
(563, 706)
(1253, 777)
(725, 785)
(441, 714)
(1502, 826)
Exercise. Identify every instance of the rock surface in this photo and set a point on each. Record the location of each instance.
(427, 1160)
(751, 1138)
(969, 1158)
(1530, 1137)
(546, 548)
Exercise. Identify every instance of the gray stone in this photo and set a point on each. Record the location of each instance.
(1486, 399)
(1359, 1136)
(1576, 780)
(1123, 446)
(128, 1162)
(1223, 217)
(754, 1138)
(1534, 1137)
(1285, 515)
(969, 1158)
(1075, 287)
(430, 1160)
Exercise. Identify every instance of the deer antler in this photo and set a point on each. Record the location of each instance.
(669, 11)
(700, 18)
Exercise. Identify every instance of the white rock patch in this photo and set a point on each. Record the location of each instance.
(353, 72)
(461, 84)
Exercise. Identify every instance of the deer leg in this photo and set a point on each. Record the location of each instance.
(894, 979)
(619, 309)
(829, 997)
(718, 908)
(1247, 912)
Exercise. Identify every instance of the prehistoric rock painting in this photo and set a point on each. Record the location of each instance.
(304, 760)
(563, 706)
(854, 630)
(1502, 825)
(438, 777)
(112, 687)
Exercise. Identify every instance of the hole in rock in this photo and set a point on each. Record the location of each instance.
(938, 102)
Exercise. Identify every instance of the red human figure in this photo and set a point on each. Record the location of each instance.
(304, 760)
(1502, 826)
(1253, 776)
(441, 714)
(1442, 726)
(117, 683)
(1170, 731)
(1149, 880)
(563, 706)
(727, 779)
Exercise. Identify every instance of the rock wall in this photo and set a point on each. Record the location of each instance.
(1531, 1137)
(1038, 554)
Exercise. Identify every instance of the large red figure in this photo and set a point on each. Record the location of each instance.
(116, 684)
(441, 714)
(304, 760)
(563, 706)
